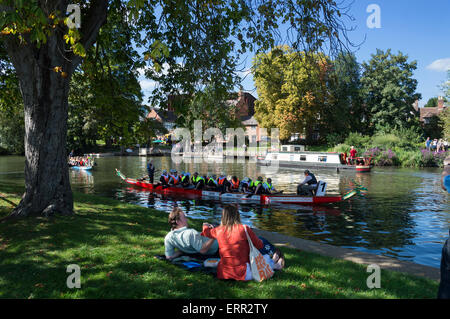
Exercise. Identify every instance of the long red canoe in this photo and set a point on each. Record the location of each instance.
(240, 197)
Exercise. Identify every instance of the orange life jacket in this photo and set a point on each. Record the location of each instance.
(166, 178)
(221, 180)
(235, 184)
(176, 179)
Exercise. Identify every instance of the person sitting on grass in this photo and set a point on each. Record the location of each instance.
(183, 240)
(234, 248)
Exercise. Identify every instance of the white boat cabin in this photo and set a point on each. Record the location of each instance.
(297, 154)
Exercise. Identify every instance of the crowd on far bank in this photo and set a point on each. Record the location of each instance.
(436, 145)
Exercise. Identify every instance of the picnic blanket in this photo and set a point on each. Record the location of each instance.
(192, 262)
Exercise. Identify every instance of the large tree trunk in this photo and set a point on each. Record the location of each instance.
(45, 95)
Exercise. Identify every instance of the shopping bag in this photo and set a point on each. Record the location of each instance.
(261, 270)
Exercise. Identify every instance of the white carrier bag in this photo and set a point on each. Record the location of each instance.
(261, 270)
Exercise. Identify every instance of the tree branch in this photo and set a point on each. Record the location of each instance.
(90, 26)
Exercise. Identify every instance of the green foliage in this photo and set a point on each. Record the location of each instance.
(434, 128)
(357, 140)
(445, 120)
(194, 44)
(432, 102)
(12, 129)
(12, 126)
(410, 158)
(446, 86)
(291, 90)
(345, 108)
(334, 139)
(210, 106)
(385, 141)
(341, 148)
(389, 91)
(400, 147)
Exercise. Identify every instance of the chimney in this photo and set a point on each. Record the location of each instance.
(440, 102)
(240, 95)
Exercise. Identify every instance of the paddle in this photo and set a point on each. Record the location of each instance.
(276, 193)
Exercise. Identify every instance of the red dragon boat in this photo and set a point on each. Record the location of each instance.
(266, 199)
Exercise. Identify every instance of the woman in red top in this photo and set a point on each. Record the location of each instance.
(234, 249)
(352, 155)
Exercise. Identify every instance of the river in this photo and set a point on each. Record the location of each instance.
(405, 214)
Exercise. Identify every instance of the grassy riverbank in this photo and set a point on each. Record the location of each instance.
(114, 244)
(403, 148)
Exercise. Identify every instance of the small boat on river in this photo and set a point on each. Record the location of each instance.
(82, 168)
(294, 156)
(265, 199)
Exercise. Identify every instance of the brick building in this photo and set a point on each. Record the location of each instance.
(426, 113)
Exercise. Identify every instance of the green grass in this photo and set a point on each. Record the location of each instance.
(114, 244)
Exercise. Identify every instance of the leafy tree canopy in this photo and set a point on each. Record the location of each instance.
(390, 90)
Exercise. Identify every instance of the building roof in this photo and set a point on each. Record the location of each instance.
(249, 121)
(427, 112)
(164, 115)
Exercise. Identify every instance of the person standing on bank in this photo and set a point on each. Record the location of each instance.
(444, 285)
(308, 185)
(150, 171)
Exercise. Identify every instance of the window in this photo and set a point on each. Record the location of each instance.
(303, 157)
(297, 149)
(322, 158)
(285, 149)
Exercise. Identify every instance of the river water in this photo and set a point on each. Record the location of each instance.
(405, 214)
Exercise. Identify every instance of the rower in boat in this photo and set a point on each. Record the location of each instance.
(234, 184)
(268, 188)
(256, 187)
(222, 183)
(245, 185)
(308, 185)
(185, 179)
(174, 179)
(164, 179)
(198, 181)
(212, 184)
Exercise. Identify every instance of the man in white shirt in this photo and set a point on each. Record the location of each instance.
(186, 240)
